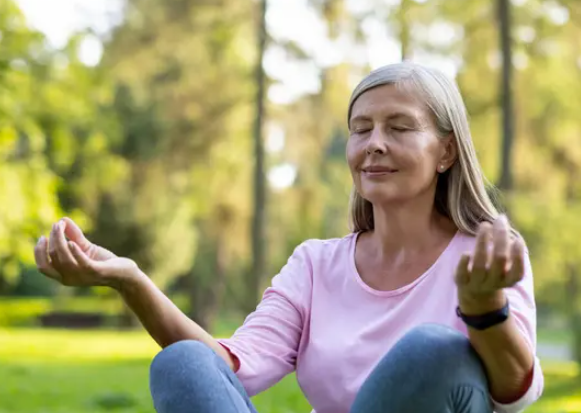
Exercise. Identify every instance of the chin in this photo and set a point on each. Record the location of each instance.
(385, 196)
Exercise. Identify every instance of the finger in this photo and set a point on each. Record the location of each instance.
(52, 252)
(517, 267)
(500, 252)
(42, 260)
(481, 253)
(462, 271)
(81, 258)
(61, 257)
(75, 234)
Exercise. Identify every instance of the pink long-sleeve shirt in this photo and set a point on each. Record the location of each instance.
(319, 318)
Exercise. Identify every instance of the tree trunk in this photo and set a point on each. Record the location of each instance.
(506, 179)
(258, 268)
(196, 293)
(208, 295)
(4, 286)
(404, 29)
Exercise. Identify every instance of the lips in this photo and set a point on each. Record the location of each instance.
(378, 170)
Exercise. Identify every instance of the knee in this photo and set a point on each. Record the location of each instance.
(178, 373)
(187, 354)
(430, 360)
(439, 348)
(442, 341)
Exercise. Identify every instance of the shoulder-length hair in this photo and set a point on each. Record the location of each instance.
(461, 192)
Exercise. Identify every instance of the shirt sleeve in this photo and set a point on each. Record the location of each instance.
(266, 345)
(523, 310)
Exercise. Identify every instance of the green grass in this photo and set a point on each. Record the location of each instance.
(51, 371)
(58, 371)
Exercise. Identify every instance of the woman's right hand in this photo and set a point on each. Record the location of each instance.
(78, 262)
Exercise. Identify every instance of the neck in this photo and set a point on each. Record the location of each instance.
(410, 226)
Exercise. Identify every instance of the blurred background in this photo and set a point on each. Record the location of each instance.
(205, 140)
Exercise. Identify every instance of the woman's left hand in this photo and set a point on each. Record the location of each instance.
(497, 262)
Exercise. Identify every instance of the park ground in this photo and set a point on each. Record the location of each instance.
(61, 371)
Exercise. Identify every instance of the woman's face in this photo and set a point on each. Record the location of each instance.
(394, 151)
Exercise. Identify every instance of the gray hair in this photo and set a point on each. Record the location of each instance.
(461, 193)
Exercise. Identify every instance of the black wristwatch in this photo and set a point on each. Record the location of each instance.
(487, 320)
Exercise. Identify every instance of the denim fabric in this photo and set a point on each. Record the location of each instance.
(432, 369)
(188, 377)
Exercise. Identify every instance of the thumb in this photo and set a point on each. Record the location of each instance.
(75, 234)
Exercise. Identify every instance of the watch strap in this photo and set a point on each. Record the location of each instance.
(486, 320)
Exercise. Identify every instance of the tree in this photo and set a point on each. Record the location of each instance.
(50, 127)
(315, 129)
(504, 23)
(404, 28)
(258, 236)
(183, 99)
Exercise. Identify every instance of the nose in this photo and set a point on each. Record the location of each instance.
(376, 142)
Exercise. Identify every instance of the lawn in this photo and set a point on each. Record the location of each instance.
(75, 372)
(48, 371)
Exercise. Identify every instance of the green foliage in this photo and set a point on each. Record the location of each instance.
(31, 284)
(129, 149)
(22, 312)
(26, 312)
(25, 177)
(181, 103)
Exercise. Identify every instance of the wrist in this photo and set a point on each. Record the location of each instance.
(471, 304)
(128, 280)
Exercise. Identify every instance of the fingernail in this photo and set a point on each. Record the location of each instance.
(62, 224)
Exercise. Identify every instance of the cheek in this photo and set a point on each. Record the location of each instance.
(353, 154)
(420, 153)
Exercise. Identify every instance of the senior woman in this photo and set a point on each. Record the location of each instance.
(427, 306)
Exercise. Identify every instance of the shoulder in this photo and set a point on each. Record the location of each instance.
(313, 256)
(317, 259)
(317, 250)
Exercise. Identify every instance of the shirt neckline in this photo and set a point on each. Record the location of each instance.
(400, 290)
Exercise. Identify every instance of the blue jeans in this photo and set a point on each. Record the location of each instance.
(432, 369)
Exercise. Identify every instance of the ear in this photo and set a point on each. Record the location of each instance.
(449, 153)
